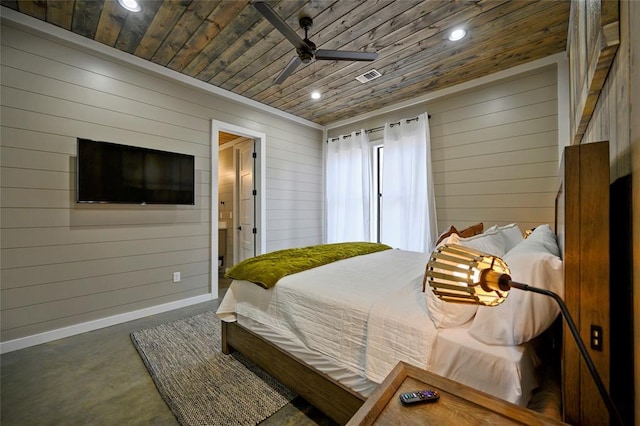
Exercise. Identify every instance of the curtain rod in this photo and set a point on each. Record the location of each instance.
(377, 129)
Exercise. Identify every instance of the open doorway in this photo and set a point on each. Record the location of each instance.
(237, 198)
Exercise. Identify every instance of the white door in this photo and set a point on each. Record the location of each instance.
(246, 202)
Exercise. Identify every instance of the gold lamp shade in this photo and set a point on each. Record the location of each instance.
(464, 275)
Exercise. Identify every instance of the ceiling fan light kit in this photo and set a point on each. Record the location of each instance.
(305, 48)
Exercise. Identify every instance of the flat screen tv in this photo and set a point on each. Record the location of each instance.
(114, 173)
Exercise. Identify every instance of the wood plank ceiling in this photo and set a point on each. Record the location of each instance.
(230, 45)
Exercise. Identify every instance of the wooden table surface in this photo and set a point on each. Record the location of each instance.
(458, 404)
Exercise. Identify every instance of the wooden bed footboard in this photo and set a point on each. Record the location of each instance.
(332, 398)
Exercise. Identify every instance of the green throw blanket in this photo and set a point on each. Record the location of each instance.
(266, 269)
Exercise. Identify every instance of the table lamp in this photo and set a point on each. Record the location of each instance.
(463, 275)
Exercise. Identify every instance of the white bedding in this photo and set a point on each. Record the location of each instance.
(507, 372)
(356, 318)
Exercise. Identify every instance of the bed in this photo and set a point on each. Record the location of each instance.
(333, 332)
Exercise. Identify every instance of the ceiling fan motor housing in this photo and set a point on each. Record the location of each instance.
(306, 56)
(308, 52)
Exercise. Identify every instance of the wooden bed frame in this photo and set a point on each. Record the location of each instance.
(332, 398)
(582, 227)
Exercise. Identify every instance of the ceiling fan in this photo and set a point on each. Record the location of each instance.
(305, 48)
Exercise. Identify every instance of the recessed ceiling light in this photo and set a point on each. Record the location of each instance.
(315, 95)
(457, 34)
(130, 5)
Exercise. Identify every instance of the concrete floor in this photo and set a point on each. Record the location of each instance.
(98, 378)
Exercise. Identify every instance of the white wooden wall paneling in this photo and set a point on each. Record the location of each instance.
(65, 264)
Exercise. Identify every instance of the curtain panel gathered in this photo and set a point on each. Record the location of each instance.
(408, 214)
(348, 188)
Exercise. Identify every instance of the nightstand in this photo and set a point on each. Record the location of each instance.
(458, 404)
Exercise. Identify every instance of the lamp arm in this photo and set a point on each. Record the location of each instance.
(613, 412)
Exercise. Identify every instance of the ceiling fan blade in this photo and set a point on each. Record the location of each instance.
(345, 55)
(280, 24)
(286, 72)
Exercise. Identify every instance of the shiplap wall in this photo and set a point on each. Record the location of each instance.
(65, 264)
(611, 121)
(616, 119)
(494, 151)
(294, 191)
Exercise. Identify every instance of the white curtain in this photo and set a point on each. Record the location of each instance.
(348, 178)
(408, 213)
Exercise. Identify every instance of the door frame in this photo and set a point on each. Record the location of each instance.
(260, 185)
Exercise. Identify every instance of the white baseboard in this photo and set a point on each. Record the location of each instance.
(48, 336)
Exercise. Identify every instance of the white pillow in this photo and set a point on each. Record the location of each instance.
(543, 239)
(512, 235)
(523, 315)
(446, 314)
(490, 242)
(491, 229)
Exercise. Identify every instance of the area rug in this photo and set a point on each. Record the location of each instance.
(200, 384)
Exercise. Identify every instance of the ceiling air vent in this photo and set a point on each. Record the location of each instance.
(368, 76)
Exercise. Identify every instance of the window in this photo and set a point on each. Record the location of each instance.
(377, 157)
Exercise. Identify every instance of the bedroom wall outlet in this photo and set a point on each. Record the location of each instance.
(176, 277)
(596, 337)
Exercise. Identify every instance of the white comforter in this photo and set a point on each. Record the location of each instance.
(356, 318)
(366, 318)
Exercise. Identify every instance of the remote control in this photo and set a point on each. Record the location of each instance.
(427, 395)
